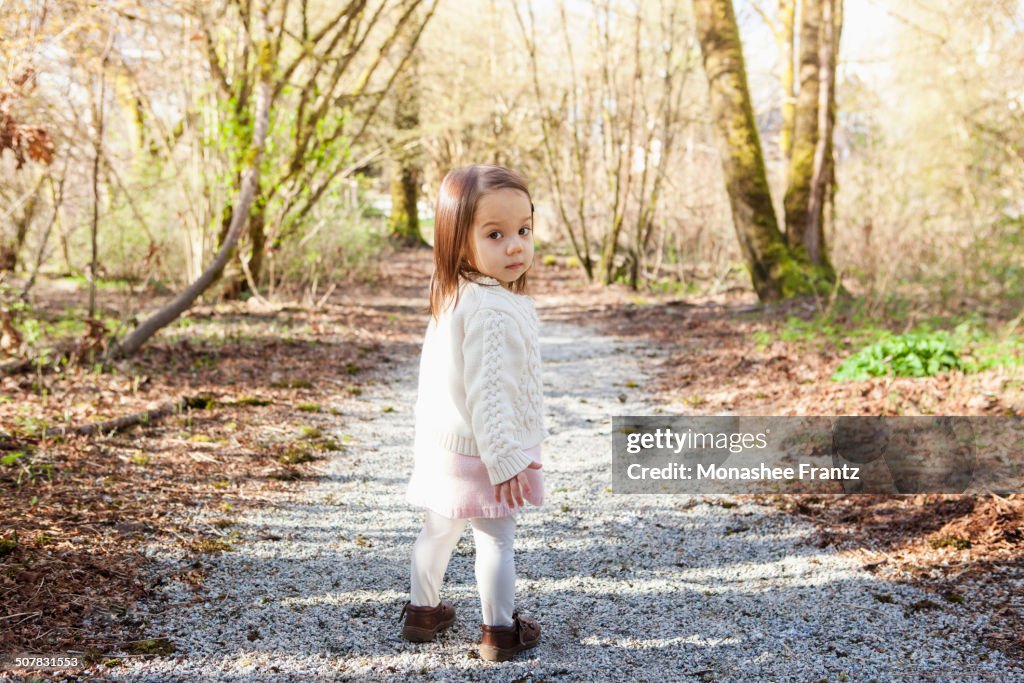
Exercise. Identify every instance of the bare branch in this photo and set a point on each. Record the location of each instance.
(767, 20)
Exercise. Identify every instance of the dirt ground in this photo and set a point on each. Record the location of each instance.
(260, 385)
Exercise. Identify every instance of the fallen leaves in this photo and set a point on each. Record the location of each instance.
(73, 519)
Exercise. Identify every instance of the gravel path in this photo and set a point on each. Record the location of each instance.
(630, 588)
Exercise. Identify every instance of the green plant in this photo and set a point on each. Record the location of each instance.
(12, 458)
(916, 354)
(950, 542)
(297, 453)
(251, 401)
(762, 339)
(28, 467)
(211, 546)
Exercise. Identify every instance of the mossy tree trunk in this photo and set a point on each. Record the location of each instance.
(257, 237)
(805, 126)
(809, 172)
(404, 221)
(775, 272)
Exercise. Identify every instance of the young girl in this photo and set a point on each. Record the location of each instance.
(479, 412)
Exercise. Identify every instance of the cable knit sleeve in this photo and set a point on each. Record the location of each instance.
(494, 354)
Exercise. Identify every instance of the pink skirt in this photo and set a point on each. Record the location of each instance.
(457, 486)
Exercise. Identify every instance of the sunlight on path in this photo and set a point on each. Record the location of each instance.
(627, 588)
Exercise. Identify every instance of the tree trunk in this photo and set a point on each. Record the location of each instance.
(257, 240)
(239, 216)
(231, 273)
(787, 15)
(57, 195)
(822, 176)
(805, 127)
(773, 271)
(236, 275)
(95, 226)
(10, 254)
(404, 221)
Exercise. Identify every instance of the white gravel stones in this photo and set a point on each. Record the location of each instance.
(627, 588)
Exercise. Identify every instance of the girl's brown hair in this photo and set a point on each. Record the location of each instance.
(456, 204)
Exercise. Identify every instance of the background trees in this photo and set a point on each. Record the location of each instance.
(330, 73)
(896, 157)
(929, 176)
(169, 132)
(610, 88)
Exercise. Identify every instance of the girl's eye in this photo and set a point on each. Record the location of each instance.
(494, 235)
(525, 230)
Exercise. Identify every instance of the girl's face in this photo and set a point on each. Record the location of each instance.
(501, 239)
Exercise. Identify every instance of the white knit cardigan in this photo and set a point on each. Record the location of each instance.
(480, 390)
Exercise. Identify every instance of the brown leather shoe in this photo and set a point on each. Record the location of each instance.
(423, 623)
(501, 643)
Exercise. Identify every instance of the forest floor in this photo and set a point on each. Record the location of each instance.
(266, 385)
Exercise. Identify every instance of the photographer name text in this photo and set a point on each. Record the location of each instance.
(762, 472)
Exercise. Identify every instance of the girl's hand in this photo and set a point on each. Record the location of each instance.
(513, 490)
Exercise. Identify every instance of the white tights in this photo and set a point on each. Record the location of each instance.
(495, 564)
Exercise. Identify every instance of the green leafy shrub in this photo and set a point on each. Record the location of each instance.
(909, 355)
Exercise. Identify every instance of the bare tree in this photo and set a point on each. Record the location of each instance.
(572, 210)
(326, 80)
(608, 128)
(99, 118)
(250, 181)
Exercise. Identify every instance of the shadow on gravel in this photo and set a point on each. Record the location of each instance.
(619, 631)
(610, 611)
